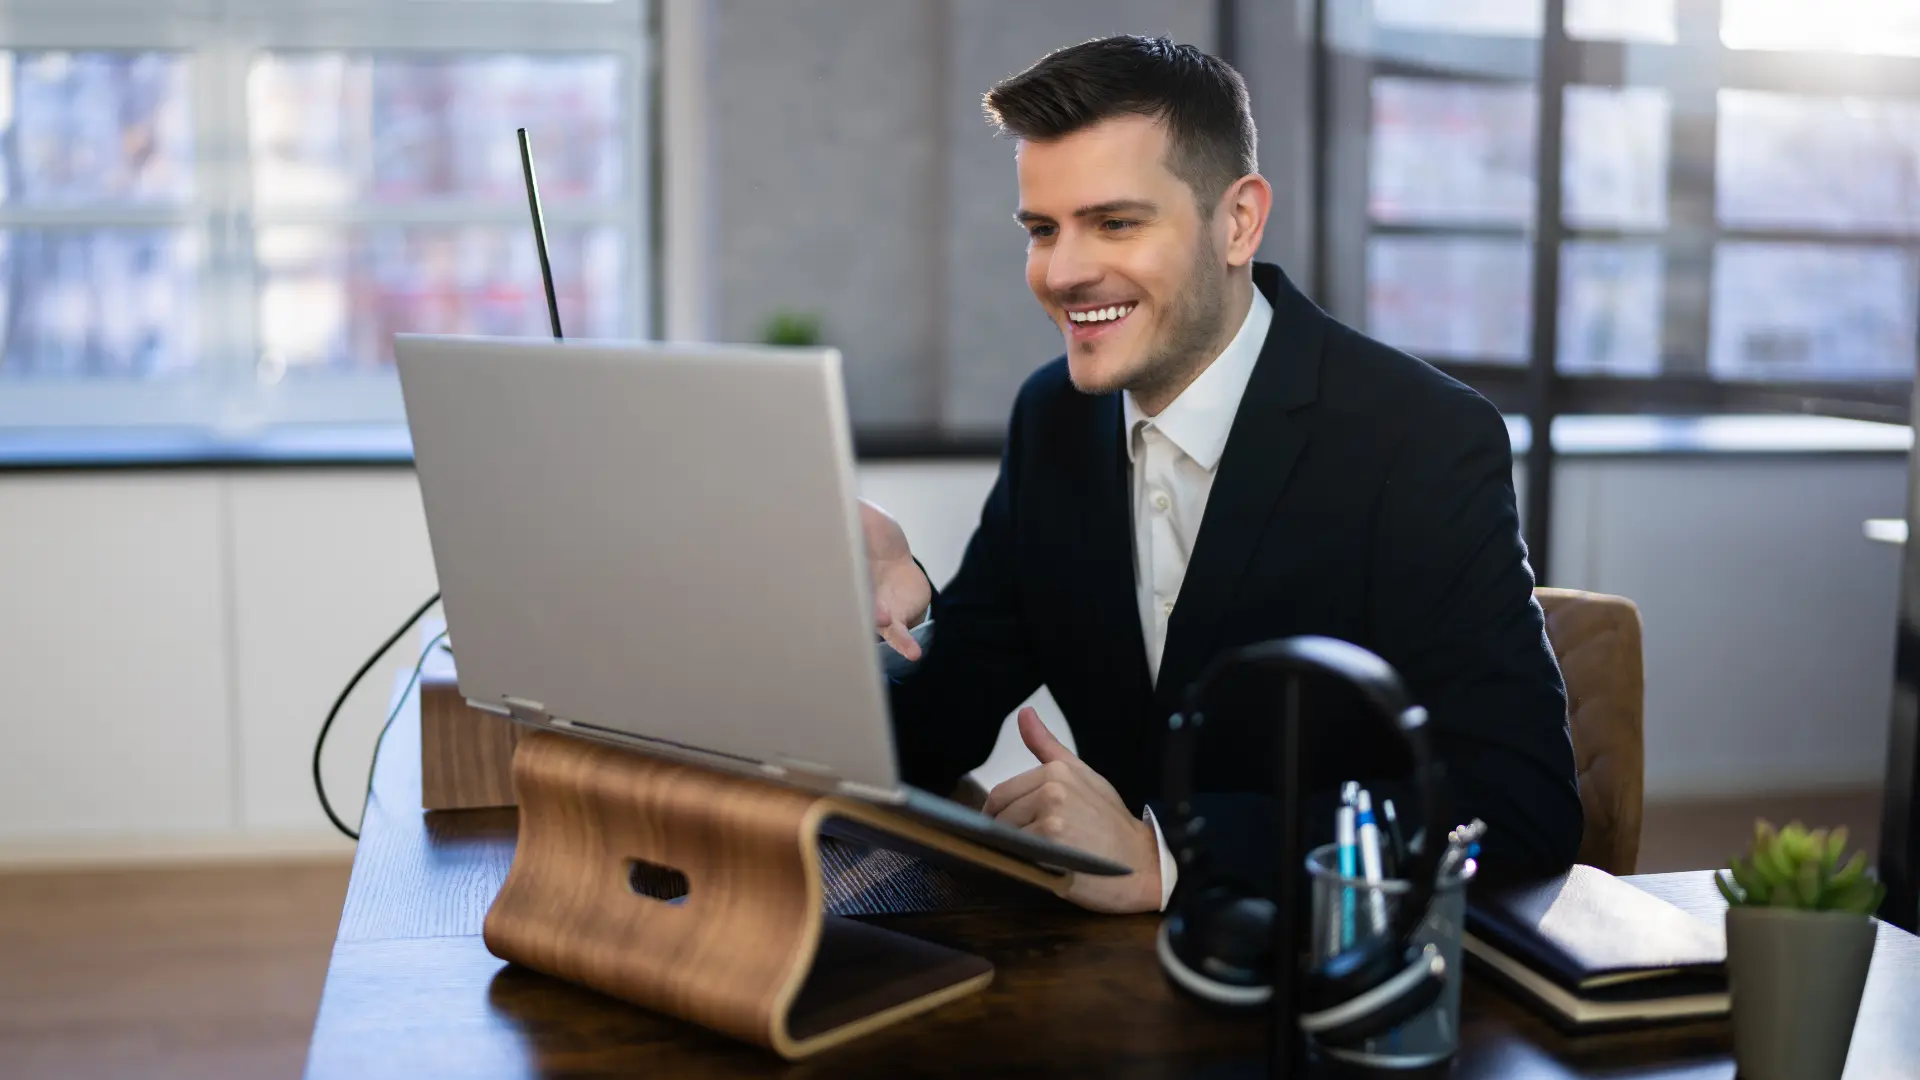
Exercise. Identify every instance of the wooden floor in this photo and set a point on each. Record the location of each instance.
(208, 973)
(215, 973)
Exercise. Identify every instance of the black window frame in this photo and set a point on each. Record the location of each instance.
(1695, 65)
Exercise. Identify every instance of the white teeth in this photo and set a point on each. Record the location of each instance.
(1106, 314)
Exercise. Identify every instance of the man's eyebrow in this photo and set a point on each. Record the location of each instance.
(1118, 206)
(1105, 209)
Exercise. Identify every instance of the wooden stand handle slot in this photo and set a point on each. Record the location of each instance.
(739, 943)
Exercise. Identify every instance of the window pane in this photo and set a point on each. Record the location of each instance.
(1614, 173)
(79, 127)
(1621, 20)
(1502, 18)
(1886, 27)
(1452, 152)
(100, 302)
(331, 128)
(1842, 164)
(1465, 298)
(1806, 311)
(1609, 309)
(1592, 20)
(332, 299)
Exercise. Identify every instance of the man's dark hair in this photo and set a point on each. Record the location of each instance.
(1202, 100)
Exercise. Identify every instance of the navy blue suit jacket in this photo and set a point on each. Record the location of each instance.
(1362, 495)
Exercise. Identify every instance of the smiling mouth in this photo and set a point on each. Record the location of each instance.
(1094, 321)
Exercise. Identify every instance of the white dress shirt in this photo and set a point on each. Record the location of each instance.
(1172, 459)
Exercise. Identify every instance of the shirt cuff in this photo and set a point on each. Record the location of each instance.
(1169, 870)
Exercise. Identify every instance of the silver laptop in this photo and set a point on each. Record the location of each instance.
(657, 545)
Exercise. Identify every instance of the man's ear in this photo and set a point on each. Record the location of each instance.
(1243, 208)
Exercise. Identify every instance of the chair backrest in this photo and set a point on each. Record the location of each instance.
(1597, 639)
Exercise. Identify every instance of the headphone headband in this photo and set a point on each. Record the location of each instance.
(1222, 943)
(1376, 683)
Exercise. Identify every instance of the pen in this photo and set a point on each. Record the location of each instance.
(1369, 837)
(1463, 843)
(1399, 843)
(1343, 835)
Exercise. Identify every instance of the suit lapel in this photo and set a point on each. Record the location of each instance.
(1269, 431)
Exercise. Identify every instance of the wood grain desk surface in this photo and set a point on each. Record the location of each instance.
(412, 992)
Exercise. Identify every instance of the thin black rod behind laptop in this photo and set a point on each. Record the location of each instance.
(539, 232)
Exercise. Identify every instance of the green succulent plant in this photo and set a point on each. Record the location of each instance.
(791, 328)
(1800, 869)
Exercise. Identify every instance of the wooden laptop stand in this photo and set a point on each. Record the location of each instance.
(697, 893)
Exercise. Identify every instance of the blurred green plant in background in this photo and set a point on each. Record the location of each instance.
(791, 328)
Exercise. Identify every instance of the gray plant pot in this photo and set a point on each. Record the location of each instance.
(1796, 978)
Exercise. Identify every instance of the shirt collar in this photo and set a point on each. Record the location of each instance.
(1199, 419)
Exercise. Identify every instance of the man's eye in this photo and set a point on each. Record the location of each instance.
(1040, 232)
(1113, 225)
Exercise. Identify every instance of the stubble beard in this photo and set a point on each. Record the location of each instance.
(1192, 335)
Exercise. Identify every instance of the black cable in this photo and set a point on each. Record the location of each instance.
(319, 744)
(394, 714)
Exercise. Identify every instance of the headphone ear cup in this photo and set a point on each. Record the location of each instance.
(1218, 946)
(1414, 980)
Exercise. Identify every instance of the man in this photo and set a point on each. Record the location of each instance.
(1213, 462)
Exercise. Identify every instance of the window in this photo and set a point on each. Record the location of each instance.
(1829, 187)
(1455, 153)
(1731, 222)
(1610, 308)
(1607, 20)
(1799, 312)
(1449, 295)
(1755, 229)
(1613, 173)
(1829, 164)
(218, 214)
(409, 161)
(97, 187)
(1888, 27)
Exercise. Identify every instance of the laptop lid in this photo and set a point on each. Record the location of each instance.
(654, 542)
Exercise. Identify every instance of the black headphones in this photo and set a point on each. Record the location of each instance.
(1224, 944)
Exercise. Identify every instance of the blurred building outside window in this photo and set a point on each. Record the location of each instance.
(1812, 208)
(228, 227)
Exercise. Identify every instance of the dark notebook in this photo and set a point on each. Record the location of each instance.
(1594, 951)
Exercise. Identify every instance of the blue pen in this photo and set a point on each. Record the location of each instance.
(1343, 834)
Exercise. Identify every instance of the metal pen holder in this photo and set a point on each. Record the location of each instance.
(1350, 910)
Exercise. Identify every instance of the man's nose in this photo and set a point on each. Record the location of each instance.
(1071, 267)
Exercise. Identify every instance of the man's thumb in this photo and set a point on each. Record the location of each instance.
(1040, 740)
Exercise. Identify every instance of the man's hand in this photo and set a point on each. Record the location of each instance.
(901, 591)
(1067, 801)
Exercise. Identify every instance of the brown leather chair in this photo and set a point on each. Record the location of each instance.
(1597, 639)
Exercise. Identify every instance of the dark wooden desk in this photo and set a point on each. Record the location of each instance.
(413, 993)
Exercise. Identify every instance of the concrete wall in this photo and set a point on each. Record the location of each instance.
(1768, 618)
(827, 173)
(854, 177)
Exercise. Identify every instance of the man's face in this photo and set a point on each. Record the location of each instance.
(1120, 256)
